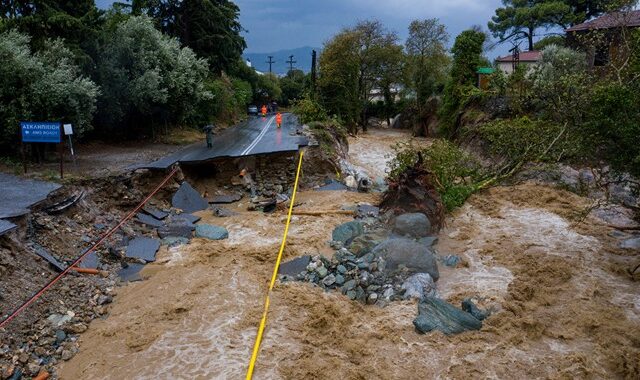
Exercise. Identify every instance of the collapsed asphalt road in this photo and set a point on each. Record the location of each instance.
(257, 135)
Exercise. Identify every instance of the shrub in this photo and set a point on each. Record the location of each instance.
(308, 110)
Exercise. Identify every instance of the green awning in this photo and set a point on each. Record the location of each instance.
(485, 70)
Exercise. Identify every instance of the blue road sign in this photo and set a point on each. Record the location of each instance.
(40, 131)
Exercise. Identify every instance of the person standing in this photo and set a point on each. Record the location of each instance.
(264, 110)
(278, 119)
(209, 131)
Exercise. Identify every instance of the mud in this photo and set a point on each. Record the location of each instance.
(563, 305)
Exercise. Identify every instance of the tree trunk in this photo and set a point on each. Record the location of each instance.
(530, 38)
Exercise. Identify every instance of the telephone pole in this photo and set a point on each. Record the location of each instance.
(291, 62)
(313, 71)
(270, 62)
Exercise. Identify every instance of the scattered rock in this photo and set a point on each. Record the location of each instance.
(329, 280)
(415, 225)
(451, 260)
(222, 212)
(367, 211)
(363, 244)
(471, 308)
(178, 229)
(184, 218)
(211, 232)
(58, 320)
(174, 241)
(148, 220)
(295, 266)
(225, 199)
(436, 314)
(419, 286)
(322, 272)
(347, 231)
(155, 212)
(350, 181)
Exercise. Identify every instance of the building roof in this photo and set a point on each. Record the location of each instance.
(525, 56)
(609, 21)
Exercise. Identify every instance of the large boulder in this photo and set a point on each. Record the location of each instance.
(413, 255)
(415, 225)
(419, 286)
(436, 314)
(346, 232)
(363, 244)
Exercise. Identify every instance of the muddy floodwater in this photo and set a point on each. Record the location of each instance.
(563, 307)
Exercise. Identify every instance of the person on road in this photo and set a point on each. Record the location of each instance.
(278, 119)
(209, 131)
(264, 110)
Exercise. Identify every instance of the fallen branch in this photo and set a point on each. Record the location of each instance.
(323, 212)
(624, 228)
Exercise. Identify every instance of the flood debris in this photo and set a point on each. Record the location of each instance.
(414, 191)
(155, 212)
(143, 248)
(188, 199)
(42, 252)
(6, 226)
(225, 199)
(130, 272)
(65, 204)
(148, 220)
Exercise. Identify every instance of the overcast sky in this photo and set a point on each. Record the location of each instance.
(283, 24)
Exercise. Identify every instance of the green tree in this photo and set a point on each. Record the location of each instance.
(293, 86)
(520, 19)
(467, 57)
(209, 27)
(353, 64)
(147, 79)
(46, 85)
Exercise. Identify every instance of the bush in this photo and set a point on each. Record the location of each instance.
(459, 174)
(308, 110)
(525, 139)
(43, 86)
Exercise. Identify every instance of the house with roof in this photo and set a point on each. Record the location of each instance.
(508, 63)
(603, 37)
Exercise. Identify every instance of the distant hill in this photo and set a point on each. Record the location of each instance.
(302, 55)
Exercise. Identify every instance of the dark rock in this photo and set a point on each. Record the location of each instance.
(211, 232)
(225, 199)
(436, 314)
(155, 212)
(184, 218)
(415, 225)
(188, 199)
(346, 232)
(419, 286)
(322, 271)
(339, 280)
(451, 260)
(143, 248)
(341, 269)
(222, 212)
(60, 336)
(363, 244)
(471, 308)
(105, 299)
(349, 285)
(295, 266)
(429, 241)
(401, 251)
(174, 241)
(148, 220)
(131, 273)
(329, 280)
(352, 294)
(177, 230)
(367, 211)
(372, 299)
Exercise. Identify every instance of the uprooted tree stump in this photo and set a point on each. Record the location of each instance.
(414, 190)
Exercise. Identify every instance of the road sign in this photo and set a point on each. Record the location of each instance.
(68, 129)
(40, 132)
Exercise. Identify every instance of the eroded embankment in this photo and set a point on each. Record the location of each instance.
(564, 307)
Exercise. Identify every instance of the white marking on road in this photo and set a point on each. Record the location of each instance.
(258, 138)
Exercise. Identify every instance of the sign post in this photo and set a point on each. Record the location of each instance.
(42, 132)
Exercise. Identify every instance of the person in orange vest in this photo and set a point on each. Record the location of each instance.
(279, 120)
(264, 110)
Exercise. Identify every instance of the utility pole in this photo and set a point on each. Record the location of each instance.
(270, 62)
(291, 62)
(313, 71)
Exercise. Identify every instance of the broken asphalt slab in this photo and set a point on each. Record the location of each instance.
(143, 248)
(131, 273)
(155, 212)
(184, 218)
(188, 199)
(19, 194)
(184, 230)
(252, 137)
(295, 266)
(6, 226)
(225, 199)
(42, 252)
(149, 220)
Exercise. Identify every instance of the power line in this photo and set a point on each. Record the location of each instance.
(270, 62)
(291, 62)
